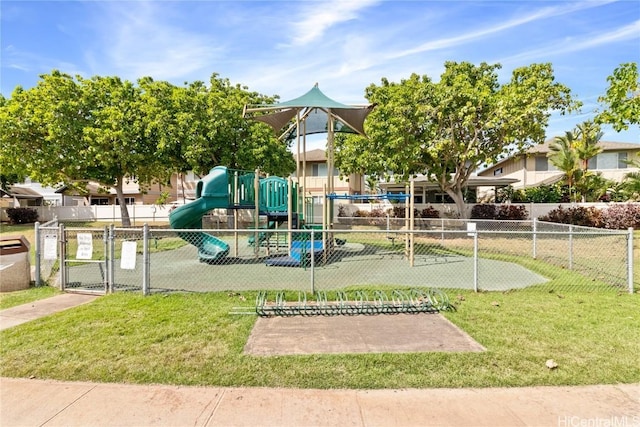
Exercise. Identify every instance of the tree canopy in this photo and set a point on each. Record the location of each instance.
(622, 99)
(445, 130)
(104, 129)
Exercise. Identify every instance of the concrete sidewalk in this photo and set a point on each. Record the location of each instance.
(50, 403)
(26, 312)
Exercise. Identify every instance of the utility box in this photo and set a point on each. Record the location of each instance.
(15, 267)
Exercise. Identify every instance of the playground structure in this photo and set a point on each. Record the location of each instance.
(278, 199)
(273, 198)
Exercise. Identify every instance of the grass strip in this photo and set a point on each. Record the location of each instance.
(192, 339)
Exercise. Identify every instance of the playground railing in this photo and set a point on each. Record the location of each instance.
(474, 255)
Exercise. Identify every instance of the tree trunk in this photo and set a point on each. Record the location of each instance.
(124, 211)
(458, 198)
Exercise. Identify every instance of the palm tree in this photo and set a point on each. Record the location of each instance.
(586, 145)
(563, 155)
(631, 183)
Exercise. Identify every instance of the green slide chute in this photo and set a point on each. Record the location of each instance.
(212, 192)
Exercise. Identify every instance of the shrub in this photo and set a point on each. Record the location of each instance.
(577, 215)
(483, 212)
(22, 215)
(429, 212)
(621, 216)
(512, 213)
(499, 212)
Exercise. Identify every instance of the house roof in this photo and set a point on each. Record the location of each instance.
(95, 189)
(606, 146)
(20, 193)
(317, 155)
(474, 181)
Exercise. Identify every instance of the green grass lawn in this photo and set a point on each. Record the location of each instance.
(11, 299)
(192, 339)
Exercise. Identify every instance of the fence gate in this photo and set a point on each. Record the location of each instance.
(84, 260)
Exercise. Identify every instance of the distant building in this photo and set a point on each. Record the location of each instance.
(317, 177)
(534, 168)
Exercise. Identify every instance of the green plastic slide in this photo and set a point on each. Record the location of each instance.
(211, 193)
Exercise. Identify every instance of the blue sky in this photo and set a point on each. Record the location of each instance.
(285, 47)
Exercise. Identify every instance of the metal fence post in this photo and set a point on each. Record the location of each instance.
(630, 260)
(146, 259)
(571, 247)
(535, 238)
(105, 243)
(475, 261)
(37, 238)
(313, 270)
(63, 255)
(112, 257)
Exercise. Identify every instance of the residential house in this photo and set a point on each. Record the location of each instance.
(534, 168)
(429, 192)
(180, 189)
(314, 163)
(18, 196)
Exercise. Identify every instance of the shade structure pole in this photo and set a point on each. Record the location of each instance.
(304, 170)
(412, 224)
(298, 144)
(290, 211)
(256, 221)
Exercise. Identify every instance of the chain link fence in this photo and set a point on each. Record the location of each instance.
(46, 257)
(357, 254)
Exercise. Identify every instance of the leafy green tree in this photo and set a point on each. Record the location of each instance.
(72, 130)
(41, 130)
(446, 129)
(622, 99)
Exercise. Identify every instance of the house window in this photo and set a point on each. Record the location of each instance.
(101, 201)
(542, 164)
(320, 169)
(443, 198)
(622, 160)
(417, 199)
(127, 201)
(497, 171)
(608, 161)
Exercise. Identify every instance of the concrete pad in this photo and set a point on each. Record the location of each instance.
(398, 333)
(26, 312)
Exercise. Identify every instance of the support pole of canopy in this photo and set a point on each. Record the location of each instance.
(256, 222)
(289, 211)
(304, 170)
(236, 203)
(412, 219)
(298, 145)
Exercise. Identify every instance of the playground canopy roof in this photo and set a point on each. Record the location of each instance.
(313, 107)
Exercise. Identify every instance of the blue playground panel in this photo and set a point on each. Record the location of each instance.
(300, 249)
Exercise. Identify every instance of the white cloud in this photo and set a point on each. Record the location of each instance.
(495, 28)
(316, 18)
(628, 32)
(138, 41)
